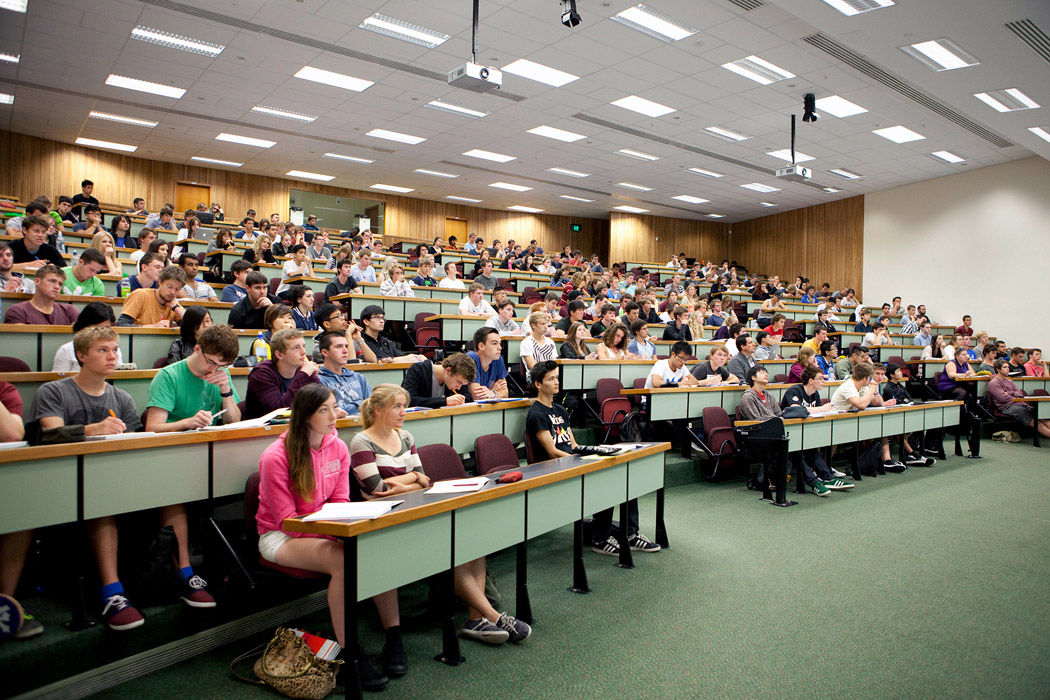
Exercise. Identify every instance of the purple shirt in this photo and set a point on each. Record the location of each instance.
(24, 312)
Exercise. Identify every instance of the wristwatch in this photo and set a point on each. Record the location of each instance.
(227, 395)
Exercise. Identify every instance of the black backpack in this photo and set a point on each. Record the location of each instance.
(634, 428)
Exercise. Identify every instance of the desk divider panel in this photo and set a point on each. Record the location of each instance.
(24, 346)
(514, 425)
(233, 461)
(628, 373)
(950, 415)
(122, 482)
(815, 435)
(869, 427)
(553, 506)
(914, 421)
(428, 431)
(467, 427)
(489, 527)
(844, 430)
(148, 348)
(397, 555)
(669, 406)
(645, 475)
(38, 494)
(593, 372)
(893, 424)
(571, 376)
(604, 489)
(933, 417)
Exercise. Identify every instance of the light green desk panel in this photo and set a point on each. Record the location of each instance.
(514, 424)
(428, 431)
(914, 421)
(893, 424)
(571, 375)
(933, 418)
(950, 415)
(451, 330)
(130, 480)
(592, 373)
(699, 400)
(869, 427)
(240, 383)
(815, 435)
(233, 461)
(147, 349)
(467, 427)
(645, 475)
(138, 388)
(38, 493)
(27, 390)
(489, 527)
(23, 346)
(668, 406)
(700, 352)
(397, 555)
(730, 400)
(628, 373)
(604, 489)
(553, 506)
(844, 430)
(374, 377)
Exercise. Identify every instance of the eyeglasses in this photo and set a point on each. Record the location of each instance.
(217, 364)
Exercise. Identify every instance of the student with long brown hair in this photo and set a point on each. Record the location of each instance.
(299, 472)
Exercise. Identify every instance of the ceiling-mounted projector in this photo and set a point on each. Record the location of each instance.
(472, 76)
(798, 173)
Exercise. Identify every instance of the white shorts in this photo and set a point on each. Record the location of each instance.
(270, 542)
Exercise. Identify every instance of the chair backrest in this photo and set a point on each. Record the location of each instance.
(13, 364)
(441, 462)
(161, 363)
(493, 452)
(505, 284)
(1041, 392)
(319, 298)
(251, 502)
(781, 379)
(608, 388)
(275, 282)
(201, 257)
(421, 322)
(715, 418)
(530, 450)
(722, 333)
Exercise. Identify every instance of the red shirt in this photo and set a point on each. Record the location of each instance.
(964, 330)
(10, 398)
(769, 329)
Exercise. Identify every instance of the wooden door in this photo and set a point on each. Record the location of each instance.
(188, 195)
(457, 228)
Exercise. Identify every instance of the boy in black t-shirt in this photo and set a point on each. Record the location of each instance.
(547, 428)
(896, 391)
(820, 478)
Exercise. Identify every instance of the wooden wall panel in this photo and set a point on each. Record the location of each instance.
(824, 243)
(634, 237)
(38, 166)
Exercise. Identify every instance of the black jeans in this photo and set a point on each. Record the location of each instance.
(602, 523)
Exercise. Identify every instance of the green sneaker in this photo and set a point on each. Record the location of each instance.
(838, 485)
(819, 489)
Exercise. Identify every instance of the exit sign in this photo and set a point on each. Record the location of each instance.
(575, 228)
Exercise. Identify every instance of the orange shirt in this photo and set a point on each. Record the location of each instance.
(142, 305)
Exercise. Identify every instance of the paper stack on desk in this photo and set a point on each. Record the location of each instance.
(464, 485)
(365, 510)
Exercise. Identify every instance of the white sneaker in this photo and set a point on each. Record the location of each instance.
(837, 474)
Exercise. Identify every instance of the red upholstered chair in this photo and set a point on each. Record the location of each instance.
(719, 443)
(612, 406)
(161, 363)
(251, 507)
(440, 462)
(428, 334)
(781, 379)
(275, 282)
(13, 364)
(494, 452)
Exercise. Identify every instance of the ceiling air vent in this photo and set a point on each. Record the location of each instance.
(748, 5)
(1027, 31)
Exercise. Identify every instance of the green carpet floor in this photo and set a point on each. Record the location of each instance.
(931, 583)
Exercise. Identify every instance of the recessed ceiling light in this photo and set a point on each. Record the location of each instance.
(832, 189)
(14, 5)
(759, 187)
(758, 69)
(216, 161)
(488, 155)
(10, 57)
(510, 186)
(725, 134)
(575, 199)
(632, 186)
(631, 153)
(527, 210)
(462, 199)
(705, 173)
(123, 120)
(631, 210)
(690, 198)
(284, 114)
(838, 106)
(1039, 131)
(767, 204)
(398, 29)
(643, 106)
(540, 73)
(1008, 100)
(391, 188)
(6, 99)
(717, 216)
(940, 54)
(339, 80)
(309, 176)
(353, 159)
(566, 171)
(174, 41)
(144, 86)
(855, 7)
(435, 173)
(785, 155)
(456, 109)
(106, 144)
(245, 140)
(558, 134)
(842, 172)
(653, 23)
(948, 157)
(395, 136)
(898, 134)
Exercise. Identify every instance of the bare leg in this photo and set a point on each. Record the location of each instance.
(470, 588)
(102, 534)
(1043, 427)
(175, 516)
(386, 605)
(885, 449)
(14, 547)
(323, 556)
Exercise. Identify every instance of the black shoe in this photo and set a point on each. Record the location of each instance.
(395, 662)
(371, 679)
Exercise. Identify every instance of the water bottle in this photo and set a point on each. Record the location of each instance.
(260, 348)
(124, 286)
(60, 242)
(76, 258)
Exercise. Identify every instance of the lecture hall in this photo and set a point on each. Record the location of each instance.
(580, 348)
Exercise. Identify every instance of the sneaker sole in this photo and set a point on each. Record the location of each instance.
(518, 640)
(197, 604)
(30, 633)
(845, 487)
(126, 627)
(487, 637)
(598, 550)
(648, 548)
(820, 493)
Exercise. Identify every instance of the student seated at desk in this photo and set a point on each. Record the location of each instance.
(373, 320)
(249, 312)
(1001, 392)
(1035, 367)
(640, 345)
(14, 546)
(32, 251)
(187, 394)
(342, 283)
(330, 317)
(766, 346)
(294, 270)
(384, 462)
(856, 391)
(826, 359)
(474, 305)
(844, 367)
(864, 324)
(484, 277)
(607, 319)
(574, 348)
(713, 371)
(301, 299)
(424, 278)
(238, 289)
(272, 384)
(880, 335)
(744, 359)
(150, 266)
(395, 284)
(896, 394)
(547, 426)
(503, 321)
(42, 309)
(102, 409)
(820, 478)
(953, 369)
(988, 359)
(536, 346)
(672, 370)
(363, 270)
(351, 388)
(614, 344)
(95, 313)
(195, 320)
(436, 385)
(451, 281)
(194, 288)
(155, 308)
(276, 318)
(83, 277)
(490, 380)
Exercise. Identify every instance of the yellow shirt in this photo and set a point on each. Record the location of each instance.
(811, 343)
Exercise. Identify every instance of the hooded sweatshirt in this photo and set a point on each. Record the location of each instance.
(278, 499)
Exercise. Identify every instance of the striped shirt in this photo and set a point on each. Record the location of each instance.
(370, 463)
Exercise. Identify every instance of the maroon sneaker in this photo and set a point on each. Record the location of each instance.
(195, 593)
(121, 615)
